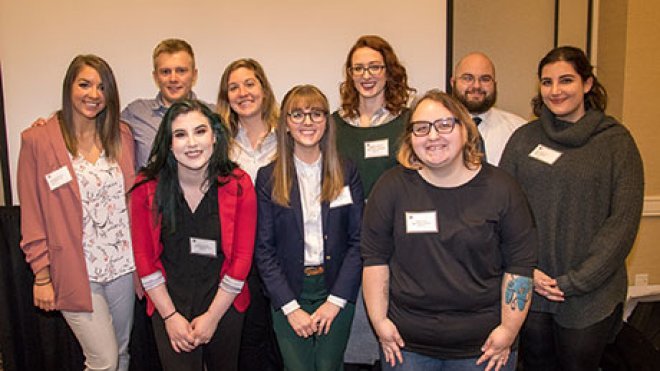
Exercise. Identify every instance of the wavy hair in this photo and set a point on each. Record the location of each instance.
(472, 156)
(107, 121)
(596, 98)
(302, 97)
(163, 166)
(269, 109)
(397, 90)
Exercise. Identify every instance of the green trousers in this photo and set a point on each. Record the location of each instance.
(317, 352)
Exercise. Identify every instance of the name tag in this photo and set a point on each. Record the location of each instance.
(344, 198)
(201, 246)
(545, 154)
(422, 222)
(58, 178)
(377, 148)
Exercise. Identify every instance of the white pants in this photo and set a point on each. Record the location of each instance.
(104, 333)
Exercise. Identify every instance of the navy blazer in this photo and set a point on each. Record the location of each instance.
(279, 252)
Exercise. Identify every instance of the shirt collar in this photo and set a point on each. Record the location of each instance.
(305, 169)
(159, 104)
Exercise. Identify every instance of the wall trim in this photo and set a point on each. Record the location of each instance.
(651, 206)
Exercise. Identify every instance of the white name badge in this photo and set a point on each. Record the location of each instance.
(377, 148)
(545, 154)
(344, 198)
(201, 246)
(422, 222)
(58, 178)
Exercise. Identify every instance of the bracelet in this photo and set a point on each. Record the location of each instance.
(169, 315)
(42, 283)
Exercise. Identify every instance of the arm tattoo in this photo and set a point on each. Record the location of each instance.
(518, 291)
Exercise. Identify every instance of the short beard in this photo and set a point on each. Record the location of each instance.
(473, 107)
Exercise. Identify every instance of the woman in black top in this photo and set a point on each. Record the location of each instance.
(448, 247)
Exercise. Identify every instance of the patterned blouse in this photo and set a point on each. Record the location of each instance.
(106, 233)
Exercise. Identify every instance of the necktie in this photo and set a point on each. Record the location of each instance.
(482, 144)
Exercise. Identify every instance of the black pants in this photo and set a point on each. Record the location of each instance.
(221, 353)
(259, 350)
(547, 346)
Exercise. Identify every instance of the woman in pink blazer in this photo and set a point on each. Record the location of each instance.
(73, 173)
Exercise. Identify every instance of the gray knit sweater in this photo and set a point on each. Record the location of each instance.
(587, 206)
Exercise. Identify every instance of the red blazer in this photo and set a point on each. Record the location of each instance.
(51, 221)
(237, 207)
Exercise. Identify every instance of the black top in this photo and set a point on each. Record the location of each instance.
(193, 279)
(445, 286)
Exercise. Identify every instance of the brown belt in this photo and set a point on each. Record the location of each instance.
(313, 271)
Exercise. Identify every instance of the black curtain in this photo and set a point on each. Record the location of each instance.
(31, 339)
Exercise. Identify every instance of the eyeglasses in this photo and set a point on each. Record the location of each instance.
(469, 79)
(298, 116)
(359, 70)
(442, 126)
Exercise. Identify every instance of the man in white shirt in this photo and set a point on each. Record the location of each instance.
(474, 84)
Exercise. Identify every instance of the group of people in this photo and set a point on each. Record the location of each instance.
(436, 234)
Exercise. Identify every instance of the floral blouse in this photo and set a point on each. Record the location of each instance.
(106, 233)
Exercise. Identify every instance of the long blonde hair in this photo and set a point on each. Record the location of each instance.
(269, 111)
(302, 97)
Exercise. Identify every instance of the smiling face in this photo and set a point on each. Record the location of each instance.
(563, 90)
(245, 93)
(87, 94)
(369, 86)
(435, 150)
(474, 83)
(307, 134)
(175, 75)
(192, 141)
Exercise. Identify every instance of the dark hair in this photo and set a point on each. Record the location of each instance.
(269, 109)
(397, 90)
(596, 98)
(162, 164)
(471, 153)
(107, 121)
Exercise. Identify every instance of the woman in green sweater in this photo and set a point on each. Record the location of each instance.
(583, 176)
(374, 98)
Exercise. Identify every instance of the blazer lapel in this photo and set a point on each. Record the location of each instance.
(227, 201)
(296, 205)
(62, 155)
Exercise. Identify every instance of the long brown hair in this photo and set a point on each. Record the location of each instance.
(471, 154)
(269, 110)
(107, 121)
(302, 97)
(397, 90)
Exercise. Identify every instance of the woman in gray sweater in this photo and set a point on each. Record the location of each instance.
(583, 176)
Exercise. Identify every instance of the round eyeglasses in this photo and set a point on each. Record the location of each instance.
(441, 126)
(374, 69)
(298, 116)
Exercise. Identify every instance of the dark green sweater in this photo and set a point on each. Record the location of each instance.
(351, 145)
(587, 207)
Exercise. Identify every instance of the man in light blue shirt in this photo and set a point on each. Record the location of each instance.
(175, 74)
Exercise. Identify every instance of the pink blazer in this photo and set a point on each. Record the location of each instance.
(51, 221)
(237, 208)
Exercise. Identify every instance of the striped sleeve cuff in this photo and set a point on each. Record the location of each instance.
(231, 285)
(290, 307)
(153, 280)
(336, 300)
